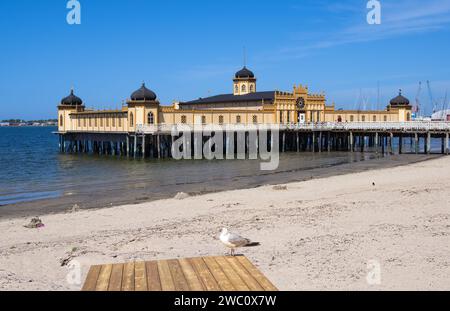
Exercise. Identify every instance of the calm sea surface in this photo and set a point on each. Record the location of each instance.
(35, 177)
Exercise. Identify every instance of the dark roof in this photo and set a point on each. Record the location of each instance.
(71, 100)
(230, 98)
(399, 100)
(244, 73)
(143, 94)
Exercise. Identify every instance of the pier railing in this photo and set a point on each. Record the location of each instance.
(411, 127)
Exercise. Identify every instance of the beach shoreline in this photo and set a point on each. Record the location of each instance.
(121, 194)
(318, 234)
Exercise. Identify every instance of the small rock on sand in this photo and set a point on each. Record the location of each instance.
(181, 196)
(279, 188)
(75, 208)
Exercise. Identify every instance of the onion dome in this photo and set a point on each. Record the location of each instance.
(400, 100)
(72, 100)
(244, 73)
(143, 94)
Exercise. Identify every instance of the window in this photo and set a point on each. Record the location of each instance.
(385, 118)
(95, 121)
(107, 121)
(251, 87)
(288, 119)
(101, 121)
(79, 122)
(84, 122)
(203, 119)
(131, 120)
(90, 121)
(150, 118)
(408, 117)
(363, 118)
(61, 121)
(352, 118)
(183, 120)
(339, 119)
(238, 119)
(244, 89)
(255, 119)
(236, 89)
(120, 121)
(114, 121)
(220, 119)
(281, 116)
(374, 118)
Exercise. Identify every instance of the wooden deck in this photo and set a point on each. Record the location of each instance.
(187, 274)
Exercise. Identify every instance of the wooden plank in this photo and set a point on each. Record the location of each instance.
(219, 275)
(140, 277)
(262, 280)
(177, 276)
(103, 278)
(91, 279)
(252, 284)
(165, 276)
(191, 276)
(128, 277)
(153, 281)
(205, 275)
(115, 281)
(232, 275)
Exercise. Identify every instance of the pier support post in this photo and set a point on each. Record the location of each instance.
(416, 142)
(446, 144)
(158, 141)
(320, 141)
(143, 146)
(284, 142)
(351, 141)
(391, 143)
(329, 141)
(400, 144)
(428, 144)
(135, 146)
(128, 146)
(376, 143)
(298, 141)
(313, 143)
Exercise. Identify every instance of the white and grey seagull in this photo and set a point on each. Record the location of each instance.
(234, 241)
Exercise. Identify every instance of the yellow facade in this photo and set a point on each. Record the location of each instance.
(298, 106)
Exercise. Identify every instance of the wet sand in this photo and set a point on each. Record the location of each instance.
(318, 234)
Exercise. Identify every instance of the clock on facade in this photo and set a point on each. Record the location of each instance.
(300, 103)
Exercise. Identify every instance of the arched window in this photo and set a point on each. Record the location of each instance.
(255, 119)
(385, 118)
(131, 120)
(363, 118)
(95, 122)
(408, 117)
(61, 122)
(120, 121)
(352, 118)
(114, 121)
(150, 118)
(79, 122)
(107, 121)
(244, 89)
(339, 119)
(220, 119)
(374, 119)
(84, 122)
(238, 119)
(90, 121)
(203, 119)
(251, 87)
(183, 120)
(236, 89)
(101, 121)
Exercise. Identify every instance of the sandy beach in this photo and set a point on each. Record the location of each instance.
(315, 235)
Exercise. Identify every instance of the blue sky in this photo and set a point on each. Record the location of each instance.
(189, 49)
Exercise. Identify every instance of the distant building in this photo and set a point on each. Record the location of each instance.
(4, 124)
(245, 105)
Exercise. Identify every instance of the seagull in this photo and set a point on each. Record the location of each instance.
(234, 241)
